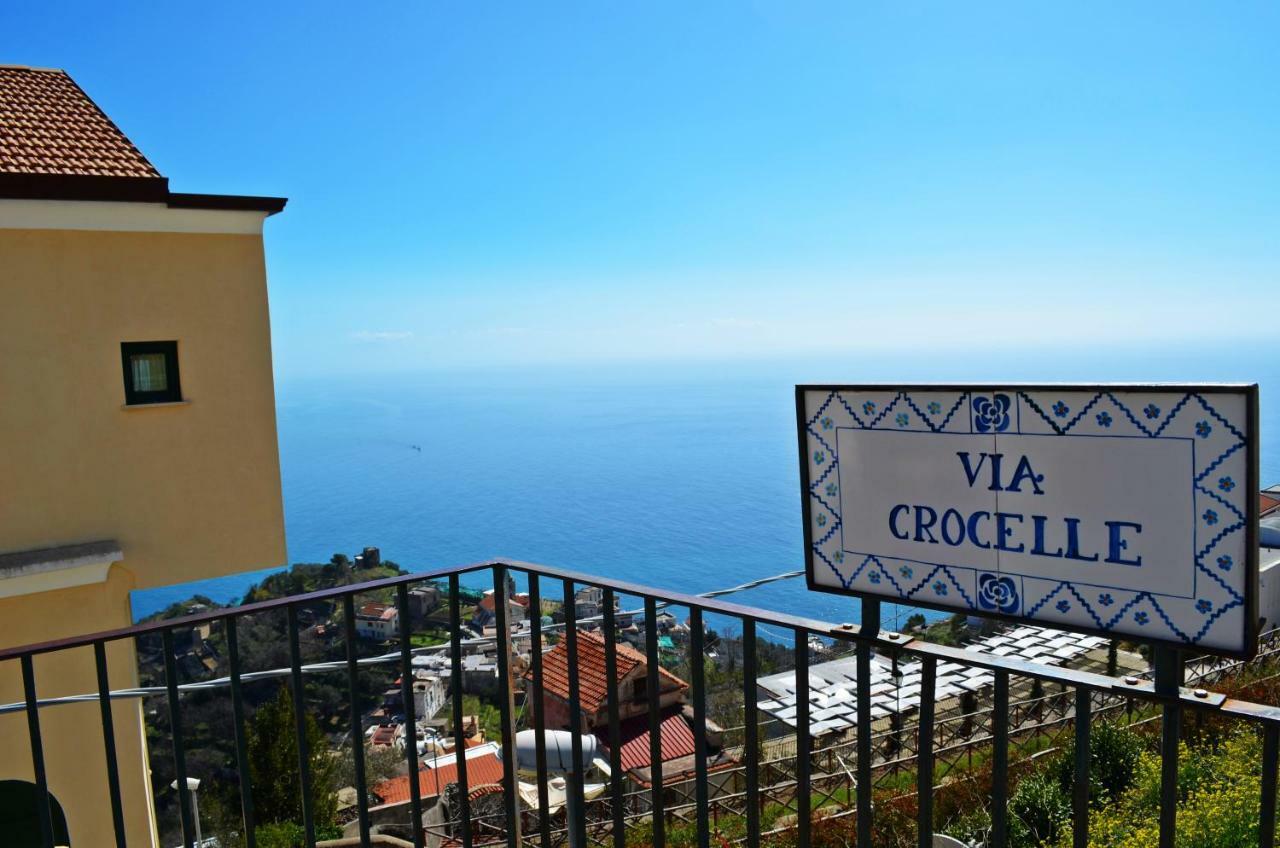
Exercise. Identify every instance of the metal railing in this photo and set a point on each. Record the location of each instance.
(1165, 693)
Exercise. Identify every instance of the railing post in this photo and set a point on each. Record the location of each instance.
(109, 742)
(697, 673)
(506, 704)
(43, 810)
(803, 743)
(751, 732)
(175, 727)
(870, 626)
(459, 743)
(1080, 792)
(535, 706)
(300, 725)
(575, 802)
(242, 744)
(357, 726)
(1270, 763)
(653, 685)
(615, 728)
(924, 751)
(1168, 668)
(1000, 761)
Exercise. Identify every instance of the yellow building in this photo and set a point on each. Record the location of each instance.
(137, 423)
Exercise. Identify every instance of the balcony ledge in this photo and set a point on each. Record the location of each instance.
(44, 569)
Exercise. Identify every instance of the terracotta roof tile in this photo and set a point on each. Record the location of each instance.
(593, 686)
(481, 770)
(48, 125)
(1268, 503)
(675, 739)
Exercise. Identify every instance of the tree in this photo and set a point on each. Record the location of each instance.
(273, 766)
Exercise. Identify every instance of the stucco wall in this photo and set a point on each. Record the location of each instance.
(189, 491)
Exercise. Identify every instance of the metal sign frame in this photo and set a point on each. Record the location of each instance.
(805, 421)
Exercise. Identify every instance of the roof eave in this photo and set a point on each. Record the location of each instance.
(128, 190)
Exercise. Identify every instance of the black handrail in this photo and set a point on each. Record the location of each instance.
(1166, 692)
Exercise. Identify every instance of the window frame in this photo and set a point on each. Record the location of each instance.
(172, 393)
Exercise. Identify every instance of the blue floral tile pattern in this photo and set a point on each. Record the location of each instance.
(1207, 615)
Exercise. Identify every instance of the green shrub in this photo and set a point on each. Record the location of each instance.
(1114, 753)
(1038, 811)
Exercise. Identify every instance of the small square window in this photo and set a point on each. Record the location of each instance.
(150, 372)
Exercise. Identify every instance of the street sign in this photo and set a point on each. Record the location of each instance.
(1128, 511)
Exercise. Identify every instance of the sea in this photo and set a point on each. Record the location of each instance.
(680, 476)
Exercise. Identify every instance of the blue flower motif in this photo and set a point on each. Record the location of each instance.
(1203, 605)
(991, 414)
(939, 588)
(1210, 517)
(827, 423)
(1105, 599)
(997, 592)
(1104, 419)
(819, 457)
(839, 556)
(869, 408)
(934, 407)
(1225, 562)
(1060, 409)
(1226, 484)
(1141, 617)
(822, 519)
(905, 571)
(903, 419)
(874, 577)
(1063, 605)
(1203, 429)
(1151, 410)
(832, 488)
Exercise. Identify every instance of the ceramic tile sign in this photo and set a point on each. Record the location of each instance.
(1129, 511)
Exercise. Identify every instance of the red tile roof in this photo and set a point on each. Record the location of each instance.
(48, 125)
(481, 770)
(487, 603)
(1268, 503)
(593, 685)
(675, 739)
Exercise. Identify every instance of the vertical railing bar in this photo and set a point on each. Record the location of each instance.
(1080, 792)
(410, 719)
(1270, 764)
(618, 800)
(924, 750)
(357, 725)
(1168, 680)
(44, 810)
(511, 799)
(863, 741)
(459, 741)
(576, 802)
(242, 744)
(109, 742)
(537, 707)
(803, 796)
(697, 673)
(300, 725)
(175, 729)
(654, 695)
(751, 732)
(1000, 762)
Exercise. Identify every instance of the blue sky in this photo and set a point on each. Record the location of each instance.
(487, 184)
